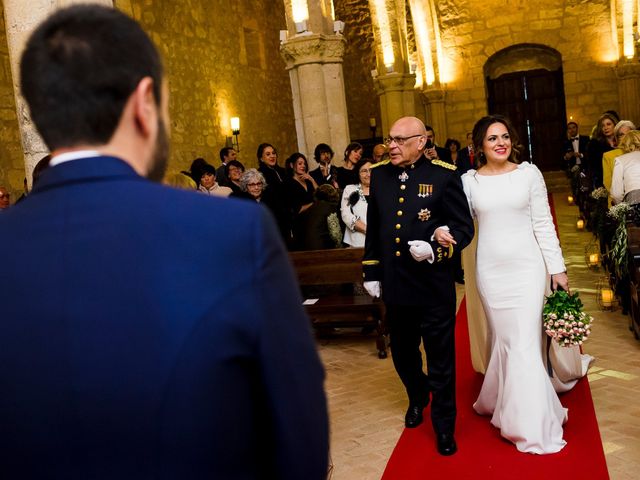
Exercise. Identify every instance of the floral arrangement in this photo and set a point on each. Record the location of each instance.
(575, 168)
(619, 250)
(600, 192)
(563, 319)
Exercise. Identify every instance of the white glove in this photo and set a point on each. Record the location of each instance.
(421, 250)
(372, 288)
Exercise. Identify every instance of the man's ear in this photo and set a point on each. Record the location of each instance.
(145, 109)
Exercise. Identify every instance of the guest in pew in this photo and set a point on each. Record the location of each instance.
(625, 184)
(275, 176)
(608, 158)
(152, 350)
(318, 227)
(604, 139)
(325, 173)
(253, 186)
(233, 171)
(208, 184)
(180, 180)
(353, 207)
(517, 252)
(347, 175)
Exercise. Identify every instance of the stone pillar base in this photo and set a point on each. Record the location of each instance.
(397, 97)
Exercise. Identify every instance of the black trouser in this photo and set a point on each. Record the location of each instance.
(434, 326)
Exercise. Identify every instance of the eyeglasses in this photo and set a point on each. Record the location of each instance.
(259, 184)
(400, 140)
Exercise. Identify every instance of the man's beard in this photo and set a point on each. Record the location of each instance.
(160, 156)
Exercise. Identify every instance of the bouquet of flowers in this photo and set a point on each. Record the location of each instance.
(563, 319)
(600, 192)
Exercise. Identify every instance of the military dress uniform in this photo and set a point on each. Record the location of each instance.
(409, 203)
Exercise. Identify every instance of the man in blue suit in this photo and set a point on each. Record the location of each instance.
(138, 338)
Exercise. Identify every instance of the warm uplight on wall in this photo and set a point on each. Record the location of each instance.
(628, 47)
(235, 130)
(381, 17)
(300, 13)
(333, 10)
(420, 25)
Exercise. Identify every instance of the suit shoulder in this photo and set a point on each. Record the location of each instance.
(443, 164)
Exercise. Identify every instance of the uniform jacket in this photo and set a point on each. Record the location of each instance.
(400, 211)
(140, 339)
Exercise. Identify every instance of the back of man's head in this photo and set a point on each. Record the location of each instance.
(79, 68)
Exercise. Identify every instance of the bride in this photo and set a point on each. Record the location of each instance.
(517, 248)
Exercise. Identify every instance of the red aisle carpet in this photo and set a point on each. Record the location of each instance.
(482, 453)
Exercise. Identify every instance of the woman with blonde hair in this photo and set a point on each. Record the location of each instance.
(619, 131)
(625, 183)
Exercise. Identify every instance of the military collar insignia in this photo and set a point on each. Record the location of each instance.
(424, 214)
(425, 190)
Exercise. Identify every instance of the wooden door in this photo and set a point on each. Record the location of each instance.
(534, 102)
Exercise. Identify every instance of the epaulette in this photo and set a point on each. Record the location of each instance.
(383, 162)
(448, 165)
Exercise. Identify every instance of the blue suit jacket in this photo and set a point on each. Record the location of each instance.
(148, 332)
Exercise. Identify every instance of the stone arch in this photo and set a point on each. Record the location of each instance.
(522, 57)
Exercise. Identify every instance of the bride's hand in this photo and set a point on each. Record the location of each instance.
(444, 237)
(560, 280)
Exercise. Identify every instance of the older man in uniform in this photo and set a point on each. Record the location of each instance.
(415, 205)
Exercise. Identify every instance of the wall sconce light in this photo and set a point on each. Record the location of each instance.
(373, 126)
(338, 27)
(235, 130)
(301, 27)
(284, 36)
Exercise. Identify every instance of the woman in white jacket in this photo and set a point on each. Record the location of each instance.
(353, 207)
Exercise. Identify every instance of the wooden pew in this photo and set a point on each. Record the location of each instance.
(633, 249)
(338, 270)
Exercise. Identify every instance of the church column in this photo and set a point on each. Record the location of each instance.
(314, 52)
(21, 18)
(629, 91)
(393, 80)
(434, 103)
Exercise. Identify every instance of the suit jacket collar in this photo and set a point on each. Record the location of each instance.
(85, 170)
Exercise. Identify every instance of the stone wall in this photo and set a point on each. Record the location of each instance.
(359, 60)
(11, 156)
(580, 30)
(222, 60)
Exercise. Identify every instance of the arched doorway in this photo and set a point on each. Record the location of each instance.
(524, 82)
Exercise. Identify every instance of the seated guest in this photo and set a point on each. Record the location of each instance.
(608, 158)
(252, 184)
(195, 170)
(318, 227)
(180, 180)
(5, 198)
(325, 173)
(233, 171)
(208, 184)
(625, 184)
(353, 207)
(347, 175)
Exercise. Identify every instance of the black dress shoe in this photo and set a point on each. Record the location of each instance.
(446, 444)
(413, 418)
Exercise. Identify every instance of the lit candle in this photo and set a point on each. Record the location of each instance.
(607, 297)
(372, 122)
(594, 258)
(570, 199)
(580, 224)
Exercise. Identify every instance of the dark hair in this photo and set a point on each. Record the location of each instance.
(40, 167)
(327, 193)
(78, 70)
(451, 141)
(210, 169)
(320, 149)
(571, 123)
(292, 159)
(429, 128)
(233, 163)
(195, 170)
(224, 152)
(261, 149)
(614, 114)
(361, 163)
(480, 130)
(352, 147)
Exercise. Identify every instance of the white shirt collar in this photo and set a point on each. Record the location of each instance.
(69, 156)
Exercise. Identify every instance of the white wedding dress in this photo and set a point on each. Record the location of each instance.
(517, 248)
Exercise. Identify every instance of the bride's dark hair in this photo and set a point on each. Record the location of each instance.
(480, 131)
